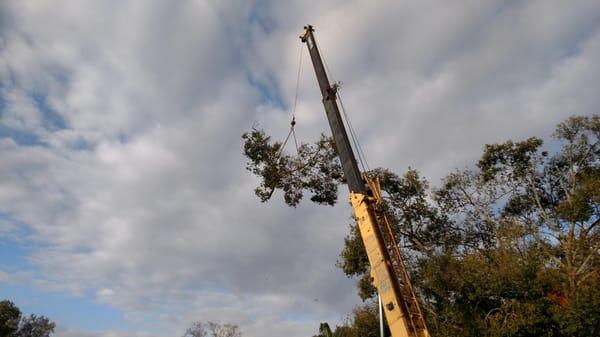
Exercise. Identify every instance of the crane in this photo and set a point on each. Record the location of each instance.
(388, 271)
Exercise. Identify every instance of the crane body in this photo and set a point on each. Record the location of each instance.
(388, 272)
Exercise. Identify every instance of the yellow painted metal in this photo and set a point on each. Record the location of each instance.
(382, 272)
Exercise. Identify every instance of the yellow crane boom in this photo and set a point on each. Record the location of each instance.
(388, 272)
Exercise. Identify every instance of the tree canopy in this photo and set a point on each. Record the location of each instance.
(509, 247)
(315, 169)
(212, 329)
(361, 322)
(13, 324)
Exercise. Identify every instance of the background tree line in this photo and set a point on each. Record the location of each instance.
(509, 247)
(212, 329)
(14, 324)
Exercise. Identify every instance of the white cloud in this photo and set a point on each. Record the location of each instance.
(143, 198)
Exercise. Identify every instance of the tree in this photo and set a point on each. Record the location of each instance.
(36, 326)
(315, 169)
(362, 322)
(508, 248)
(10, 316)
(528, 262)
(212, 329)
(12, 324)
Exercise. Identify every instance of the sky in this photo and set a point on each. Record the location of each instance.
(125, 206)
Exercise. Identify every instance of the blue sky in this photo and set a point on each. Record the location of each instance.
(125, 207)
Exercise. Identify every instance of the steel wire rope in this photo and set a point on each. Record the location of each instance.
(359, 149)
(298, 75)
(361, 156)
(292, 131)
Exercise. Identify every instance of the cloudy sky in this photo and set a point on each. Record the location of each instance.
(125, 207)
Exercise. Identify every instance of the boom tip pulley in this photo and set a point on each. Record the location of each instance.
(307, 29)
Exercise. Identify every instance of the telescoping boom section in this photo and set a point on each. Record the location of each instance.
(388, 272)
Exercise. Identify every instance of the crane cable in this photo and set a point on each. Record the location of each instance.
(292, 131)
(362, 158)
(359, 151)
(353, 135)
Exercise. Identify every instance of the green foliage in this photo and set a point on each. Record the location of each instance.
(418, 225)
(36, 326)
(508, 158)
(362, 322)
(527, 259)
(315, 169)
(10, 316)
(508, 248)
(12, 324)
(354, 262)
